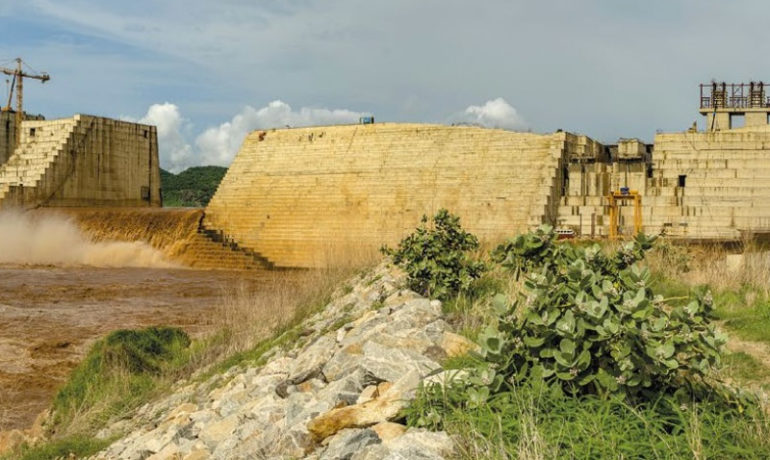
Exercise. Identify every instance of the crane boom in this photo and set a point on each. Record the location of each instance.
(18, 76)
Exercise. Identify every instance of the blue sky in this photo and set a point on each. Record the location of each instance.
(207, 72)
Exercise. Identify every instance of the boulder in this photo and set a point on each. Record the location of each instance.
(381, 409)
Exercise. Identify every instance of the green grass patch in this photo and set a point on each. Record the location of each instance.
(119, 372)
(79, 446)
(535, 423)
(746, 313)
(744, 368)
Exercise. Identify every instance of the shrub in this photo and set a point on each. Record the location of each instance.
(589, 323)
(436, 257)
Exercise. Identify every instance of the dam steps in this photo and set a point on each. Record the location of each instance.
(176, 232)
(203, 253)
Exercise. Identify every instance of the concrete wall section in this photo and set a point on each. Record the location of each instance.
(695, 185)
(8, 133)
(710, 185)
(82, 161)
(303, 197)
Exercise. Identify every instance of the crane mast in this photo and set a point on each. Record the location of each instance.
(18, 75)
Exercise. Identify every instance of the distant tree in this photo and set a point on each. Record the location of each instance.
(192, 187)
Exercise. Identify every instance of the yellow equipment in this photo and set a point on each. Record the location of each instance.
(18, 75)
(622, 195)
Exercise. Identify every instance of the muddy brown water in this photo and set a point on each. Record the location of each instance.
(49, 316)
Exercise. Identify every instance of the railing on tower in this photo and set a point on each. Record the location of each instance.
(721, 95)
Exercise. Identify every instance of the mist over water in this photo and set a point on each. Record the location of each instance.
(50, 239)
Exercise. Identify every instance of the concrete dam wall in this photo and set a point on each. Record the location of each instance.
(310, 197)
(82, 161)
(704, 186)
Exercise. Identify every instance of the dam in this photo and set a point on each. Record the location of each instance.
(79, 161)
(331, 195)
(308, 197)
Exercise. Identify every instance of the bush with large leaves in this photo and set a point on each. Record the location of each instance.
(436, 257)
(589, 323)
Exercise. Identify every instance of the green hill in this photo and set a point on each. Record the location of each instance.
(192, 187)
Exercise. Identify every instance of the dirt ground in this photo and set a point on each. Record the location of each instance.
(49, 316)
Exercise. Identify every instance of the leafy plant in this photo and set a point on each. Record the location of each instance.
(590, 324)
(436, 257)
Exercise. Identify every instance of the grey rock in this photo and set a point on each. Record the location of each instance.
(280, 366)
(389, 364)
(262, 385)
(347, 442)
(309, 363)
(301, 407)
(239, 413)
(344, 390)
(214, 433)
(411, 339)
(436, 329)
(266, 410)
(422, 444)
(230, 403)
(344, 362)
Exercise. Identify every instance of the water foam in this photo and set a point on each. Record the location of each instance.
(53, 239)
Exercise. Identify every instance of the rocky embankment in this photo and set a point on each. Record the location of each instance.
(338, 393)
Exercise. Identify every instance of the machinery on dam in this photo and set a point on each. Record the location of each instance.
(19, 74)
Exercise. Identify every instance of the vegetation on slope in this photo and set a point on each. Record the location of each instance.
(192, 187)
(129, 368)
(630, 368)
(581, 358)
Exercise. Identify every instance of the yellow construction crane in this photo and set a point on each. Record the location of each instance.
(614, 198)
(19, 75)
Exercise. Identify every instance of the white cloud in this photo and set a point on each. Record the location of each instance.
(496, 113)
(218, 145)
(175, 152)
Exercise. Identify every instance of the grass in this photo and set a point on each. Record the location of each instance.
(533, 423)
(741, 294)
(470, 310)
(745, 312)
(745, 369)
(119, 372)
(245, 334)
(79, 446)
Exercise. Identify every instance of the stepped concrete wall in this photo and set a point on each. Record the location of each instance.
(695, 185)
(82, 161)
(710, 185)
(302, 197)
(8, 133)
